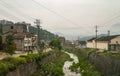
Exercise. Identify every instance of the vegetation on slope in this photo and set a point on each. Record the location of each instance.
(55, 44)
(11, 63)
(50, 63)
(52, 66)
(84, 66)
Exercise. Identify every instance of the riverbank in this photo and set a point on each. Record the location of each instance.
(106, 62)
(85, 67)
(52, 65)
(68, 64)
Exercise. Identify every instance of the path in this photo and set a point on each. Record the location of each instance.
(3, 55)
(67, 64)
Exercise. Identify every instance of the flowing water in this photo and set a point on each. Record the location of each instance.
(67, 64)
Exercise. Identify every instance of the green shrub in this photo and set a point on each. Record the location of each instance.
(10, 47)
(36, 74)
(57, 71)
(5, 67)
(86, 68)
(53, 66)
(11, 63)
(15, 60)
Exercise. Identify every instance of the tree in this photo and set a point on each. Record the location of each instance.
(56, 43)
(0, 40)
(9, 42)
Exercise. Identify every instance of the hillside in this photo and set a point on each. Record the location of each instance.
(89, 37)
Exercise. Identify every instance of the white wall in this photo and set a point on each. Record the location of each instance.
(117, 39)
(102, 45)
(90, 45)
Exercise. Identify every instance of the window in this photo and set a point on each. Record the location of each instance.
(11, 27)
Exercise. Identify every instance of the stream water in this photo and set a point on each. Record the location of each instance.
(67, 64)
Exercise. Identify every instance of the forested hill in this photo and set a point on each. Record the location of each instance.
(44, 34)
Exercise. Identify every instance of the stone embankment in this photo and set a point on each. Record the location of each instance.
(107, 65)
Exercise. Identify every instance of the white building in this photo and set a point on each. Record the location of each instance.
(30, 43)
(105, 43)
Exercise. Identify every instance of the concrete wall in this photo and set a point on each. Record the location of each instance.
(102, 45)
(14, 28)
(115, 40)
(7, 28)
(19, 44)
(24, 70)
(90, 45)
(21, 27)
(107, 65)
(5, 35)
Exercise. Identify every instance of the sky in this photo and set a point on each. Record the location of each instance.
(69, 18)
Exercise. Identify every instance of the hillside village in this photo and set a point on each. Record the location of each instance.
(24, 34)
(59, 37)
(25, 38)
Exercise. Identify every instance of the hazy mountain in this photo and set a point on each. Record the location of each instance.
(117, 25)
(89, 37)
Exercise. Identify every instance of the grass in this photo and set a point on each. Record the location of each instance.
(114, 55)
(53, 66)
(105, 52)
(84, 66)
(88, 50)
(11, 63)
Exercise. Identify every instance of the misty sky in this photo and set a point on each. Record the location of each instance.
(74, 17)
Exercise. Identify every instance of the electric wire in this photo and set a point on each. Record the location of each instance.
(16, 11)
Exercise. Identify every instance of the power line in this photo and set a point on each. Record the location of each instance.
(17, 11)
(8, 14)
(112, 19)
(54, 12)
(115, 32)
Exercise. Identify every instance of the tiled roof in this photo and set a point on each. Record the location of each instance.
(104, 38)
(91, 39)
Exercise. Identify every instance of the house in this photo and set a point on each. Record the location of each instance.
(22, 40)
(106, 43)
(30, 42)
(17, 30)
(91, 43)
(17, 27)
(6, 22)
(18, 39)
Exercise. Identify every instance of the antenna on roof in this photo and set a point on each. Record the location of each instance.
(108, 40)
(108, 33)
(96, 27)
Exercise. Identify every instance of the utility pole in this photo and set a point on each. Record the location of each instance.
(96, 30)
(1, 28)
(108, 33)
(108, 40)
(37, 22)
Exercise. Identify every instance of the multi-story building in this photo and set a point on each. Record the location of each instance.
(17, 30)
(30, 42)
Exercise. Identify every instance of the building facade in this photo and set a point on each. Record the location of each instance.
(106, 43)
(30, 42)
(17, 30)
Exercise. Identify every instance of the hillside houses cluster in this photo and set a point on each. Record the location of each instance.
(25, 35)
(111, 43)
